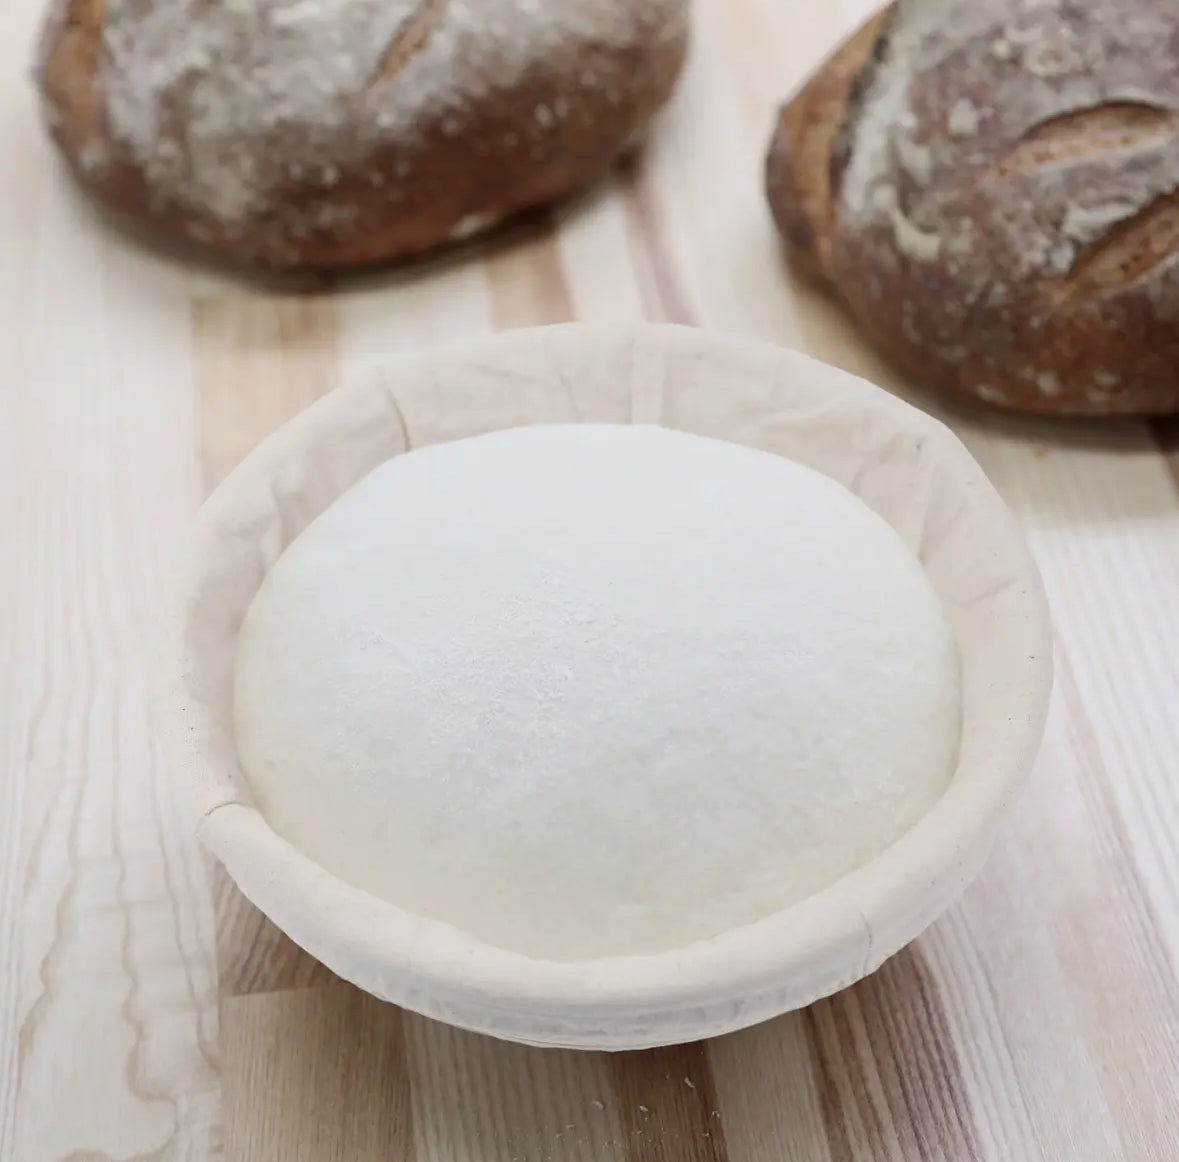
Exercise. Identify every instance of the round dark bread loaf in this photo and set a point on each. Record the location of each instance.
(993, 190)
(336, 133)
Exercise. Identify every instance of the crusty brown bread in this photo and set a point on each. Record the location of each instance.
(993, 190)
(337, 133)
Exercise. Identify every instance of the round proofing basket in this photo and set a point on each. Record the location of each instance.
(905, 465)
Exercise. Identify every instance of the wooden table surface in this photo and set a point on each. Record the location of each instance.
(146, 1012)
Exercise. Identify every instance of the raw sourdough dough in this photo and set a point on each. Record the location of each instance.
(590, 690)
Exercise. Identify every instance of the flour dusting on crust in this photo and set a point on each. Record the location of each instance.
(1011, 156)
(939, 46)
(220, 102)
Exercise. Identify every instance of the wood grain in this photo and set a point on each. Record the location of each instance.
(891, 1081)
(147, 1011)
(316, 1075)
(526, 282)
(668, 1105)
(259, 361)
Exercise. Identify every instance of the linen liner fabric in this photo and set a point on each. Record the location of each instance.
(902, 463)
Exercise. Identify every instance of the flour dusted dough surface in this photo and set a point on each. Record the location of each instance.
(592, 690)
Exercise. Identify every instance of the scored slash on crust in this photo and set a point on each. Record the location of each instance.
(1086, 134)
(410, 39)
(1129, 250)
(1136, 238)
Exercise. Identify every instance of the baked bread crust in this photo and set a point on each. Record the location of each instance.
(993, 190)
(338, 133)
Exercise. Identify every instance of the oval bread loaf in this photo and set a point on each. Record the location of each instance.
(336, 133)
(993, 190)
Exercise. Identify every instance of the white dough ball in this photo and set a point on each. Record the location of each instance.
(587, 690)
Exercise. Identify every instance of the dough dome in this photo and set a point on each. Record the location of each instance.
(590, 690)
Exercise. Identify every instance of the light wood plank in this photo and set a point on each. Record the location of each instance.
(526, 280)
(595, 255)
(768, 1086)
(479, 1100)
(428, 302)
(316, 1075)
(1039, 1019)
(107, 994)
(109, 954)
(260, 361)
